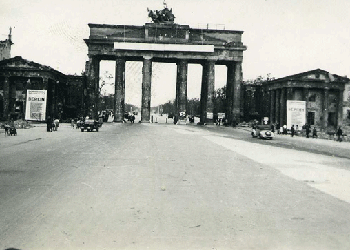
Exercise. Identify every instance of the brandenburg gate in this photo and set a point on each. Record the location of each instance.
(164, 41)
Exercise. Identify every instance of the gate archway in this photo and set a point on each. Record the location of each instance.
(168, 43)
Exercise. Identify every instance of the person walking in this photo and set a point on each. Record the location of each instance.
(307, 127)
(340, 134)
(49, 124)
(314, 133)
(292, 131)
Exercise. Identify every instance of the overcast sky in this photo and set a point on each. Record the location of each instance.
(283, 37)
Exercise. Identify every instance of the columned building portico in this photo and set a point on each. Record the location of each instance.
(321, 92)
(17, 75)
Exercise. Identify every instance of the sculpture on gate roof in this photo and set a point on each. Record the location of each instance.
(162, 16)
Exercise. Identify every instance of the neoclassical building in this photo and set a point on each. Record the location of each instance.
(322, 92)
(65, 93)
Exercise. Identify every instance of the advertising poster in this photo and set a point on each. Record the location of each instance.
(296, 113)
(36, 105)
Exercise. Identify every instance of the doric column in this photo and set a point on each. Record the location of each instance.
(54, 98)
(229, 92)
(283, 107)
(13, 90)
(325, 108)
(306, 99)
(272, 106)
(207, 92)
(146, 89)
(340, 107)
(237, 92)
(278, 107)
(181, 87)
(93, 82)
(119, 94)
(6, 103)
(48, 111)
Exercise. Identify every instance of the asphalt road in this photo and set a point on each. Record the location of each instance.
(161, 186)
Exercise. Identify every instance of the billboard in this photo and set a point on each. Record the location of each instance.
(36, 105)
(296, 113)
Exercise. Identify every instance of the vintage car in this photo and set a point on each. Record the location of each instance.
(89, 125)
(262, 132)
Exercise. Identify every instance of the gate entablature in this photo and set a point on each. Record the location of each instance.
(221, 45)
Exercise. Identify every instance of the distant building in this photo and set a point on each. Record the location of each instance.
(322, 92)
(5, 47)
(65, 94)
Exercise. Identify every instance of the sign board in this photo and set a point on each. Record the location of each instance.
(266, 120)
(36, 105)
(210, 115)
(221, 115)
(296, 113)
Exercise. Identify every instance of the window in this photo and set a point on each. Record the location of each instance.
(311, 118)
(332, 119)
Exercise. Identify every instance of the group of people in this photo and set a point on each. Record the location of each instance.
(52, 124)
(295, 130)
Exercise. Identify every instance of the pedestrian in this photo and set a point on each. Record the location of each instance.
(56, 123)
(340, 134)
(292, 131)
(307, 127)
(297, 130)
(314, 133)
(284, 129)
(272, 128)
(48, 124)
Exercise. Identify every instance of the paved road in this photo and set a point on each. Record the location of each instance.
(158, 186)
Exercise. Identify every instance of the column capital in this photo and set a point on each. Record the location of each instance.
(147, 57)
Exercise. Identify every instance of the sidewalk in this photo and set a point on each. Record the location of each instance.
(35, 132)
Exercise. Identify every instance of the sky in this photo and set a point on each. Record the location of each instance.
(283, 37)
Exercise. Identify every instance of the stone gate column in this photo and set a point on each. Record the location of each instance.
(146, 89)
(237, 92)
(6, 104)
(93, 82)
(181, 87)
(119, 94)
(207, 92)
(229, 92)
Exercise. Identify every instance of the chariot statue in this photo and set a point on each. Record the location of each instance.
(162, 16)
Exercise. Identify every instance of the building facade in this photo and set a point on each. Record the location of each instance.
(322, 92)
(65, 95)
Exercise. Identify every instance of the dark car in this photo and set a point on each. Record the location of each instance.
(89, 125)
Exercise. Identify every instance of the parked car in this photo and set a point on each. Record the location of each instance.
(89, 125)
(262, 132)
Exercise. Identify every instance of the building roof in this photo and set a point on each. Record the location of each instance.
(313, 75)
(18, 63)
